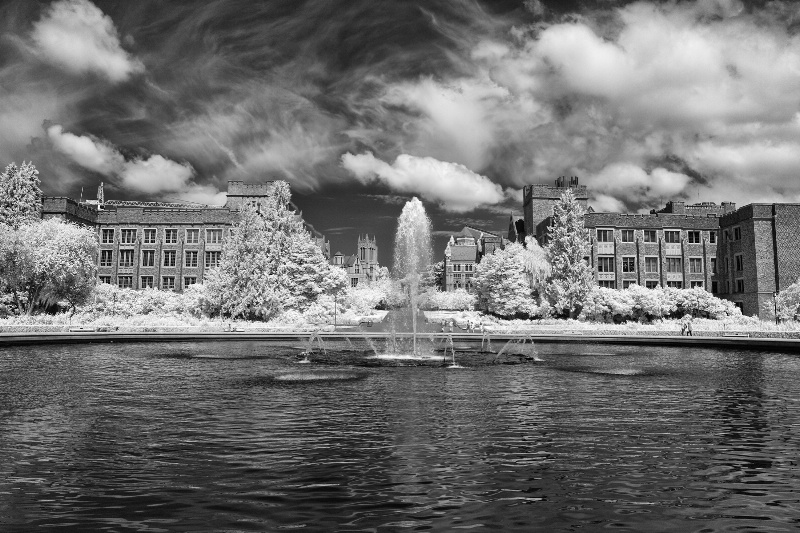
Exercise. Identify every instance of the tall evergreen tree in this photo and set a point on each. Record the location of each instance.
(20, 195)
(271, 263)
(568, 243)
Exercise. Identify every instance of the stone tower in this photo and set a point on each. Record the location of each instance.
(538, 201)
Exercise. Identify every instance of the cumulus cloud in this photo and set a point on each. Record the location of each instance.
(454, 187)
(149, 175)
(627, 183)
(76, 36)
(88, 152)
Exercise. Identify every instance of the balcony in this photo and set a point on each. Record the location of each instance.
(674, 276)
(606, 276)
(673, 249)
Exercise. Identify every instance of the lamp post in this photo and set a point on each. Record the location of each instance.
(775, 302)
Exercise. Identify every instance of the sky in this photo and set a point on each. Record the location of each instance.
(363, 104)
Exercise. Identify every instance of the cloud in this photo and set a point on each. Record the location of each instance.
(156, 174)
(88, 152)
(76, 36)
(454, 187)
(148, 175)
(627, 183)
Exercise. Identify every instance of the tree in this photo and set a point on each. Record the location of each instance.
(535, 262)
(788, 302)
(47, 261)
(271, 263)
(501, 283)
(568, 243)
(20, 195)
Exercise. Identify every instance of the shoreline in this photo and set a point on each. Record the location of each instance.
(732, 342)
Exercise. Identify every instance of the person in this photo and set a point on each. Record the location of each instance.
(689, 327)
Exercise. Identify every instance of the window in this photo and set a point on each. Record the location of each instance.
(125, 282)
(739, 259)
(363, 254)
(693, 237)
(106, 258)
(740, 305)
(170, 236)
(105, 279)
(126, 258)
(468, 268)
(214, 236)
(675, 284)
(189, 281)
(629, 264)
(712, 237)
(192, 236)
(148, 258)
(672, 236)
(727, 264)
(737, 233)
(605, 235)
(127, 236)
(695, 284)
(674, 264)
(714, 287)
(353, 282)
(212, 259)
(169, 258)
(627, 283)
(728, 287)
(190, 259)
(356, 269)
(739, 285)
(607, 283)
(147, 282)
(457, 268)
(727, 235)
(650, 235)
(149, 236)
(713, 265)
(651, 284)
(627, 235)
(107, 236)
(651, 265)
(605, 264)
(168, 283)
(695, 265)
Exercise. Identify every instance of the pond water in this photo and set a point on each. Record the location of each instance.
(239, 437)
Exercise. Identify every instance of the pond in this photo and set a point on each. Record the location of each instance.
(239, 436)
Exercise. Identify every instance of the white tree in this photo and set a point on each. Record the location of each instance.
(502, 285)
(47, 261)
(271, 263)
(535, 262)
(568, 244)
(20, 195)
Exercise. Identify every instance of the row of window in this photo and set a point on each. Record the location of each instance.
(190, 258)
(192, 236)
(468, 267)
(147, 282)
(651, 235)
(673, 264)
(651, 284)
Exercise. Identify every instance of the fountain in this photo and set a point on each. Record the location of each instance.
(412, 254)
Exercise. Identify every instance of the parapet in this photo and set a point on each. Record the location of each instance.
(240, 188)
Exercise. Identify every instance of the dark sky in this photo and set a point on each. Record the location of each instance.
(362, 104)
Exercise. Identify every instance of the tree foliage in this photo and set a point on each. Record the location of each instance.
(20, 195)
(271, 264)
(568, 243)
(788, 302)
(502, 284)
(47, 261)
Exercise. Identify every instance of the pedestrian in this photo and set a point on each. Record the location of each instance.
(689, 327)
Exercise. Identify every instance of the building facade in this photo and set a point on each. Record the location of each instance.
(362, 266)
(759, 255)
(463, 252)
(161, 245)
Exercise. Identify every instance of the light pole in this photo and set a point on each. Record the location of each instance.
(775, 302)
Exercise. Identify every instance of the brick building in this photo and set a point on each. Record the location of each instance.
(463, 252)
(538, 201)
(759, 254)
(362, 266)
(161, 245)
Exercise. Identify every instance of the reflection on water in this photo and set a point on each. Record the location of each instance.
(155, 438)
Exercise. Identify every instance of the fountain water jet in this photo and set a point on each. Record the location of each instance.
(412, 254)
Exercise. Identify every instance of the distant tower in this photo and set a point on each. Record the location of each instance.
(538, 201)
(101, 197)
(367, 254)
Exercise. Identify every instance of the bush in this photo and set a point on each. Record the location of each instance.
(457, 300)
